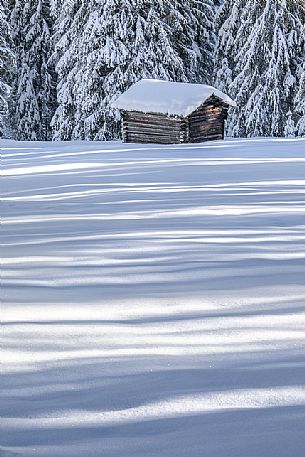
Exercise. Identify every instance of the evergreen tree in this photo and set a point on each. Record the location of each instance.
(195, 38)
(66, 40)
(131, 44)
(6, 64)
(104, 46)
(259, 48)
(33, 90)
(290, 128)
(228, 22)
(299, 101)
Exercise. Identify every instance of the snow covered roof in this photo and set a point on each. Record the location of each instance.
(156, 96)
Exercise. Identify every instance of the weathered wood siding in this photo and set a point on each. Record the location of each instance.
(205, 123)
(151, 128)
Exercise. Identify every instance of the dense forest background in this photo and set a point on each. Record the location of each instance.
(63, 62)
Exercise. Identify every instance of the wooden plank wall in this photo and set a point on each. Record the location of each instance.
(207, 122)
(151, 128)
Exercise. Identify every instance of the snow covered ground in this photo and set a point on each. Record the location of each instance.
(153, 299)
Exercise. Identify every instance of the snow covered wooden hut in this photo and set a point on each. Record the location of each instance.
(156, 111)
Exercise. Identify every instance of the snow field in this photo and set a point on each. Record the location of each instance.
(152, 299)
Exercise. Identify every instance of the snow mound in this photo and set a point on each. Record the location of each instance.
(172, 98)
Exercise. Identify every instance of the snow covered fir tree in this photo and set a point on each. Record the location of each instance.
(260, 62)
(33, 97)
(6, 65)
(74, 58)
